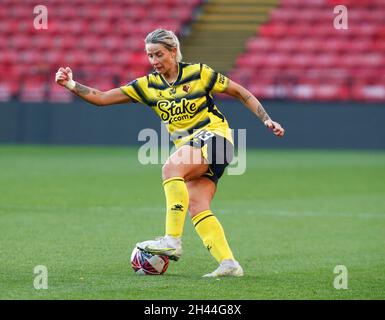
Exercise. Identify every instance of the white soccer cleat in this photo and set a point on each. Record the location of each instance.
(227, 268)
(163, 246)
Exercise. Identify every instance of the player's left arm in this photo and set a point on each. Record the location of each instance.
(242, 94)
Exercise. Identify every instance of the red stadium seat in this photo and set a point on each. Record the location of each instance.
(56, 93)
(5, 91)
(18, 11)
(261, 44)
(33, 91)
(133, 73)
(105, 84)
(75, 58)
(29, 58)
(65, 12)
(109, 12)
(73, 27)
(139, 59)
(123, 58)
(136, 13)
(182, 14)
(102, 27)
(303, 92)
(54, 57)
(20, 42)
(369, 92)
(331, 91)
(111, 43)
(160, 12)
(263, 90)
(132, 44)
(100, 58)
(91, 43)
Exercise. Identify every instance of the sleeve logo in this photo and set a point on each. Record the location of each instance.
(221, 79)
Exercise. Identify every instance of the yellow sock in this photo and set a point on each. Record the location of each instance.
(177, 199)
(212, 234)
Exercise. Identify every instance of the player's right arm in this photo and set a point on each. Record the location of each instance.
(91, 95)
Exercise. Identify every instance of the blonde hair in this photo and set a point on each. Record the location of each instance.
(167, 38)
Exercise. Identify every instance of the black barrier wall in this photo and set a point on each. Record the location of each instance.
(308, 125)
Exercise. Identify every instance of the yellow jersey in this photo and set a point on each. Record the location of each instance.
(186, 106)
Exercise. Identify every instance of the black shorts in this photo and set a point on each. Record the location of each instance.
(217, 150)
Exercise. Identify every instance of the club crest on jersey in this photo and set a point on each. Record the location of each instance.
(173, 90)
(186, 88)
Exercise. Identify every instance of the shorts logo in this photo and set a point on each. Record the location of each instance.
(210, 173)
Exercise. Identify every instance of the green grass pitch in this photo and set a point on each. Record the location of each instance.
(290, 220)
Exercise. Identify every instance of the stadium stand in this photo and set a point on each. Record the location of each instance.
(101, 41)
(219, 32)
(298, 54)
(289, 50)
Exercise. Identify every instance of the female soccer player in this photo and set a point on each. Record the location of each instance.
(181, 94)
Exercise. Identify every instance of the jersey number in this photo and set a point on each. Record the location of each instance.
(205, 135)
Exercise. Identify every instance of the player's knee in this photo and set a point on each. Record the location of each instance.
(170, 171)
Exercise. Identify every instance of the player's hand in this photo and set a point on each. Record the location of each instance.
(63, 76)
(275, 127)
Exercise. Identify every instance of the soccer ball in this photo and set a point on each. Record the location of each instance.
(145, 263)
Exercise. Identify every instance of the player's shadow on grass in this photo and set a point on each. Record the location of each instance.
(201, 278)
